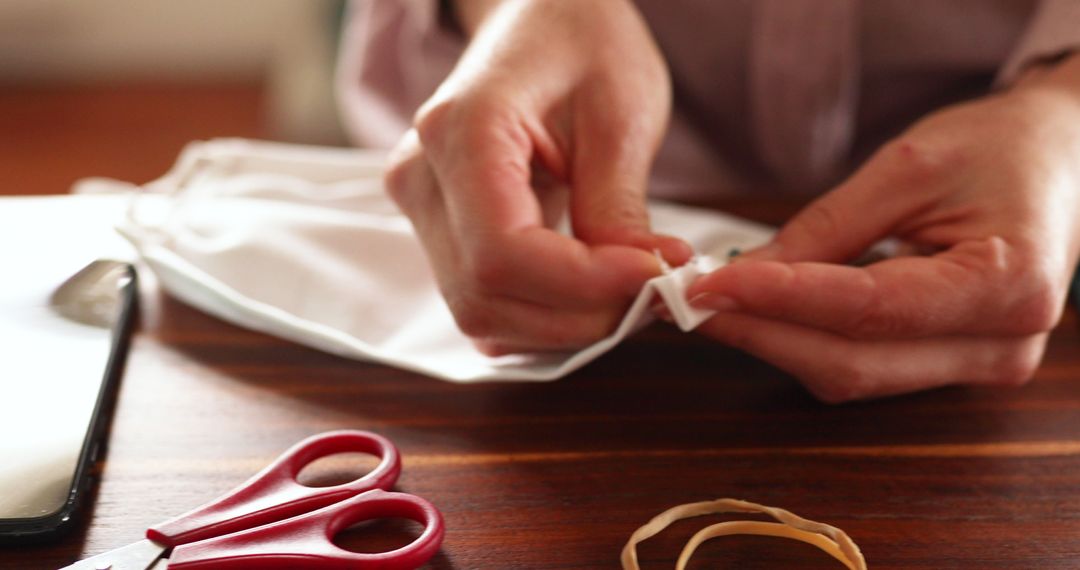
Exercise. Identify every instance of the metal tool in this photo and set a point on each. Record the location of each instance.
(273, 521)
(90, 296)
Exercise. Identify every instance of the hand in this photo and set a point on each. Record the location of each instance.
(555, 103)
(988, 191)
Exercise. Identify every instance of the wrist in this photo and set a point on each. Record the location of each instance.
(1048, 98)
(1060, 78)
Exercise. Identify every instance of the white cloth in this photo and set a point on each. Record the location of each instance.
(302, 243)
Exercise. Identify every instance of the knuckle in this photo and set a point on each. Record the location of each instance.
(396, 180)
(822, 220)
(1038, 303)
(1016, 367)
(472, 316)
(433, 118)
(850, 381)
(488, 272)
(405, 163)
(991, 257)
(883, 319)
(875, 323)
(896, 322)
(625, 219)
(919, 160)
(465, 118)
(1036, 312)
(1009, 289)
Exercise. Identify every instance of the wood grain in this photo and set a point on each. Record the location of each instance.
(53, 135)
(557, 475)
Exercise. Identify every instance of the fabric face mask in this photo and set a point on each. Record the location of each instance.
(302, 243)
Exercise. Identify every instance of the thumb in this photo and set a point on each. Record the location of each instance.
(609, 182)
(841, 225)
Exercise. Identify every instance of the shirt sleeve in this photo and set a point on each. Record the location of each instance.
(1052, 32)
(393, 55)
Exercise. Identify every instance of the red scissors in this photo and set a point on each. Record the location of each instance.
(272, 521)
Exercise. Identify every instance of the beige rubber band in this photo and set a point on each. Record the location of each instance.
(829, 539)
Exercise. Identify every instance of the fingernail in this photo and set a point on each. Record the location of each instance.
(676, 251)
(714, 301)
(768, 252)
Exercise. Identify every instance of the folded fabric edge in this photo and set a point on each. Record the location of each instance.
(190, 284)
(672, 289)
(198, 289)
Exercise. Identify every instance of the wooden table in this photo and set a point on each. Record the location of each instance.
(557, 475)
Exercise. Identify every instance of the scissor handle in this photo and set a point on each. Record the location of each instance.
(275, 494)
(306, 541)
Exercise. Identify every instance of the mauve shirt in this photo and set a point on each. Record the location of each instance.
(769, 95)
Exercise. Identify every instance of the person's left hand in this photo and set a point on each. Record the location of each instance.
(988, 191)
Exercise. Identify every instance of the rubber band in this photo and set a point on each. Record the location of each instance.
(829, 539)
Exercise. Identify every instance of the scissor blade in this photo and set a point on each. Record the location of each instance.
(137, 556)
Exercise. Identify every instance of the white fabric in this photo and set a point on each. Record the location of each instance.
(301, 242)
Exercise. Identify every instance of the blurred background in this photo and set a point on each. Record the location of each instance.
(116, 87)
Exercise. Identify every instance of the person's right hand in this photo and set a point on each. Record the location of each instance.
(555, 104)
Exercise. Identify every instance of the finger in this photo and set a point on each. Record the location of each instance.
(842, 224)
(973, 288)
(480, 154)
(545, 267)
(502, 325)
(499, 324)
(411, 184)
(498, 224)
(613, 153)
(837, 369)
